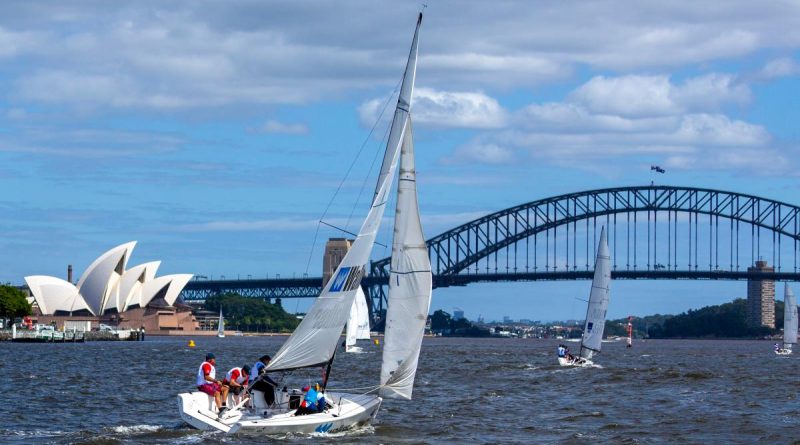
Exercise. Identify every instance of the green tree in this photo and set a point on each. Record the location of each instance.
(13, 302)
(440, 320)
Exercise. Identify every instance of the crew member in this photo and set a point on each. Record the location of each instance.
(264, 383)
(236, 379)
(207, 382)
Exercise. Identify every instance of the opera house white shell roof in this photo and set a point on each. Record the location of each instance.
(130, 290)
(107, 285)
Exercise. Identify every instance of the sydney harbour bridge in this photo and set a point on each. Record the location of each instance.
(654, 232)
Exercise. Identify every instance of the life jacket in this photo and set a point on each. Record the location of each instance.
(311, 399)
(201, 376)
(236, 375)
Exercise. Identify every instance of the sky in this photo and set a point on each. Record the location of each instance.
(216, 134)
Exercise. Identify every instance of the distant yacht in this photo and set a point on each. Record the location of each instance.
(595, 312)
(789, 322)
(221, 325)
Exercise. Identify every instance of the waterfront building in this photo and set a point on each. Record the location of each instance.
(761, 298)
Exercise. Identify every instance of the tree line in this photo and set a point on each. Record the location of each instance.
(252, 314)
(728, 320)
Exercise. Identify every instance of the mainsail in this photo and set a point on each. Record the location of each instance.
(789, 318)
(314, 341)
(358, 323)
(409, 285)
(221, 325)
(598, 301)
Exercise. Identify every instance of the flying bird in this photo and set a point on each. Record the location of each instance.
(657, 169)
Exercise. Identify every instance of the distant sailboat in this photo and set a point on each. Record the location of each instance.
(596, 311)
(789, 322)
(314, 342)
(221, 325)
(358, 323)
(630, 331)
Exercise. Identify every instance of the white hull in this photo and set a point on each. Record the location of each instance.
(348, 411)
(577, 361)
(783, 351)
(221, 335)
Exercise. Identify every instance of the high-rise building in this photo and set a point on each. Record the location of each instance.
(458, 313)
(335, 250)
(761, 298)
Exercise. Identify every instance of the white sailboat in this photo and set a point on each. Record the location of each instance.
(314, 342)
(221, 325)
(596, 311)
(357, 324)
(789, 322)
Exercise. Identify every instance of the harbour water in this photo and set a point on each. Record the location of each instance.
(468, 391)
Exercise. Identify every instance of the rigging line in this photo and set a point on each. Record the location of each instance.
(347, 173)
(347, 231)
(382, 142)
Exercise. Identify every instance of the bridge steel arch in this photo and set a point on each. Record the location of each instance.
(456, 252)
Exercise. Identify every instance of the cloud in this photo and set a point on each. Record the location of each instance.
(453, 109)
(281, 224)
(719, 130)
(645, 96)
(13, 43)
(89, 143)
(183, 55)
(614, 120)
(276, 127)
(782, 67)
(482, 153)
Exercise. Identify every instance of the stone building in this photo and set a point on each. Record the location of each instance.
(761, 298)
(335, 250)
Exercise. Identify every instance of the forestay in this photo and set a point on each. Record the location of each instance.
(598, 301)
(409, 285)
(316, 338)
(789, 317)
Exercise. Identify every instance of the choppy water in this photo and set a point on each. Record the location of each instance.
(468, 391)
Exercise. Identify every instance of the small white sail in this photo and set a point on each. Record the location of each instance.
(221, 325)
(358, 323)
(789, 318)
(362, 322)
(409, 286)
(598, 301)
(314, 341)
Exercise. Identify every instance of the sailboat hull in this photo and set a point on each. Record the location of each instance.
(576, 362)
(783, 351)
(349, 411)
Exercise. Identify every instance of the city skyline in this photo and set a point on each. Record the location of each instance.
(217, 135)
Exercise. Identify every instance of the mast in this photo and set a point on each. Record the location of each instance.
(314, 341)
(403, 108)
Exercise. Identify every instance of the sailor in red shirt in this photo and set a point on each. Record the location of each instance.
(207, 382)
(237, 379)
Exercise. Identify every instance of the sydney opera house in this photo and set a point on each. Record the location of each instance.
(110, 293)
